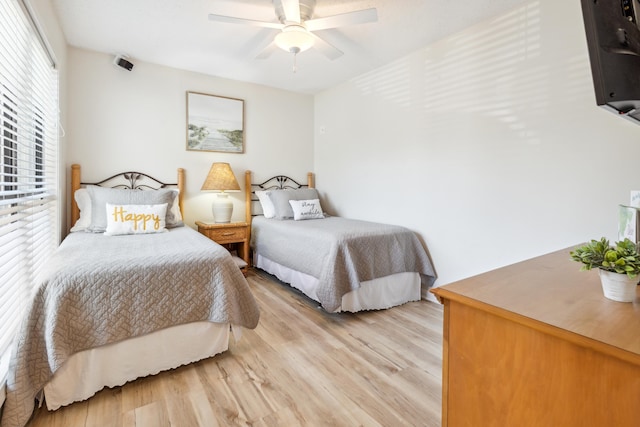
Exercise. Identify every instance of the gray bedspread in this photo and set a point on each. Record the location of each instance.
(341, 252)
(102, 289)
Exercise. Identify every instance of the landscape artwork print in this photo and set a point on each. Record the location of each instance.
(215, 123)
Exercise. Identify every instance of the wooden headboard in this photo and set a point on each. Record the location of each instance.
(278, 182)
(129, 180)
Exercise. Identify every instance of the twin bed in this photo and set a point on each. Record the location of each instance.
(160, 290)
(169, 297)
(344, 264)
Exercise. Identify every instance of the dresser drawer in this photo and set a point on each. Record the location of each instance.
(227, 235)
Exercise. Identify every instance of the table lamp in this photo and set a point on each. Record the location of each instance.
(222, 180)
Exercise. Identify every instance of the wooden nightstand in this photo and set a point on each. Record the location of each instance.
(229, 235)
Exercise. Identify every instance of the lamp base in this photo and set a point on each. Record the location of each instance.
(222, 208)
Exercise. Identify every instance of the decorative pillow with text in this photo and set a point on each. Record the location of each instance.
(306, 209)
(135, 219)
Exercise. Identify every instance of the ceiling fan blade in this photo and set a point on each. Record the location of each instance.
(234, 20)
(267, 51)
(326, 48)
(291, 10)
(349, 18)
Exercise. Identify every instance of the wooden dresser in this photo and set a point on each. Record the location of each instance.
(537, 344)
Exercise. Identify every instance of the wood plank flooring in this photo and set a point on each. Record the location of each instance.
(300, 367)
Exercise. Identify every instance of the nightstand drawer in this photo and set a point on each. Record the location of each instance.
(227, 235)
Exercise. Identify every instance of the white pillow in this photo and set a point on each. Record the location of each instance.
(83, 200)
(135, 219)
(268, 210)
(306, 209)
(175, 209)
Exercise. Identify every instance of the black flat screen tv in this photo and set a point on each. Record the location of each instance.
(613, 39)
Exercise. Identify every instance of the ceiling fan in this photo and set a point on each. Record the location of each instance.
(297, 26)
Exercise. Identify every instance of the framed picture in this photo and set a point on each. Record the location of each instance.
(215, 123)
(629, 223)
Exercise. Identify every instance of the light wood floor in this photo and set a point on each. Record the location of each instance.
(300, 367)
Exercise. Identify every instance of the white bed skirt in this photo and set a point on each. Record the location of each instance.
(376, 294)
(87, 372)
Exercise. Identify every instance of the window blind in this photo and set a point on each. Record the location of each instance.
(28, 168)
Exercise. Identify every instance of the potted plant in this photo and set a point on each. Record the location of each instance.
(618, 265)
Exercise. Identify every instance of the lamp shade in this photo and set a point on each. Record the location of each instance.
(220, 178)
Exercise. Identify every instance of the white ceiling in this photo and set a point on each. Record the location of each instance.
(177, 33)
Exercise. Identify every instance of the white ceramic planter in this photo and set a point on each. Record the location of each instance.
(618, 287)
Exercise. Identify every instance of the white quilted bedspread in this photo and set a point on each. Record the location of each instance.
(102, 289)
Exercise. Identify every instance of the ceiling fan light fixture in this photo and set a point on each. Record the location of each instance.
(294, 39)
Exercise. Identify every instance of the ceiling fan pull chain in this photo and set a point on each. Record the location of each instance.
(295, 62)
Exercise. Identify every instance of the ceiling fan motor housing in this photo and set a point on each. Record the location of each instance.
(306, 10)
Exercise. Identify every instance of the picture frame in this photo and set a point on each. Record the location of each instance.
(629, 223)
(215, 123)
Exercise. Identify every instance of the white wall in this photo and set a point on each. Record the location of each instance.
(121, 120)
(488, 144)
